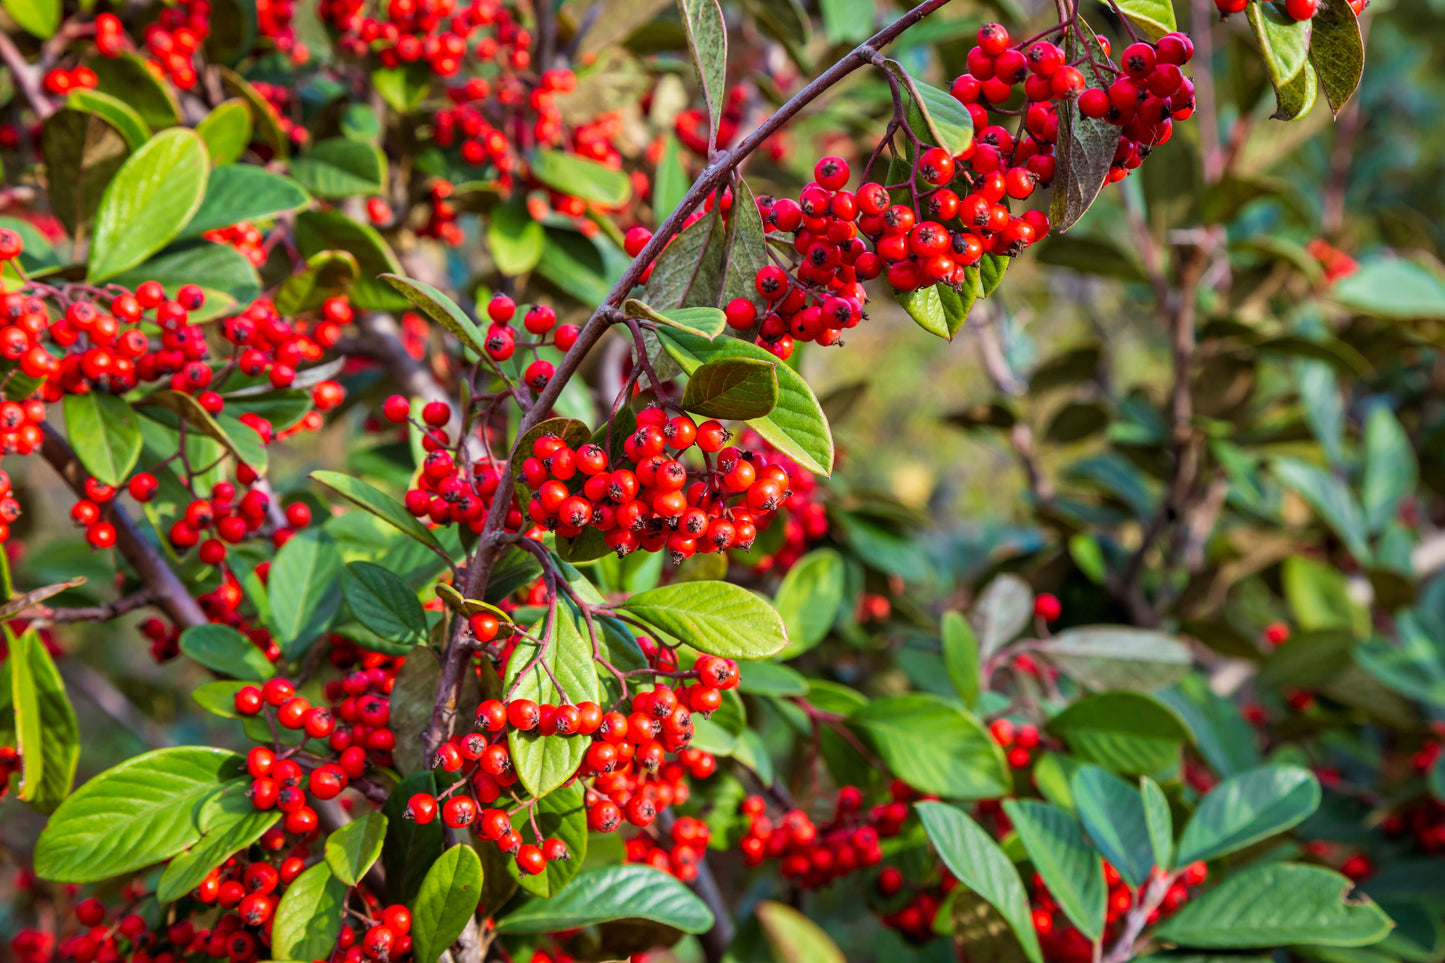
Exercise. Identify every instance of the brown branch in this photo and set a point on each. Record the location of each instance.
(104, 612)
(27, 77)
(719, 170)
(155, 573)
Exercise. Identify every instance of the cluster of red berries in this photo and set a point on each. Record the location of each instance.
(60, 81)
(656, 502)
(911, 907)
(170, 43)
(244, 238)
(281, 100)
(438, 33)
(1062, 942)
(815, 856)
(803, 516)
(1019, 741)
(1294, 9)
(677, 854)
(441, 220)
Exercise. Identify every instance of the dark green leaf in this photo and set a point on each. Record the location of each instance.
(516, 239)
(1160, 821)
(1113, 814)
(1331, 499)
(707, 36)
(613, 893)
(1085, 146)
(446, 901)
(934, 746)
(242, 192)
(689, 271)
(327, 273)
(1247, 808)
(131, 816)
(747, 251)
(378, 503)
(441, 309)
(1337, 51)
(226, 276)
(980, 865)
(340, 167)
(1390, 467)
(1070, 868)
(82, 154)
(577, 176)
(151, 198)
(129, 78)
(119, 114)
(732, 388)
(1221, 735)
(104, 433)
(1284, 44)
(410, 848)
(1127, 732)
(383, 603)
(318, 231)
(403, 87)
(716, 617)
(796, 426)
(1276, 904)
(222, 649)
(302, 590)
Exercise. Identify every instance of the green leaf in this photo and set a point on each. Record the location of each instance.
(410, 848)
(689, 271)
(243, 192)
(946, 122)
(1221, 735)
(934, 746)
(612, 893)
(516, 240)
(327, 273)
(670, 183)
(104, 433)
(1127, 732)
(318, 231)
(1337, 51)
(716, 617)
(228, 276)
(222, 649)
(579, 177)
(1413, 667)
(441, 309)
(308, 917)
(1283, 41)
(341, 167)
(796, 426)
(302, 590)
(1391, 287)
(1331, 499)
(746, 251)
(808, 599)
(131, 816)
(446, 901)
(960, 657)
(1276, 904)
(119, 114)
(561, 815)
(1085, 146)
(47, 734)
(1113, 813)
(545, 762)
(378, 503)
(707, 37)
(38, 17)
(151, 198)
(703, 322)
(991, 270)
(82, 155)
(980, 865)
(187, 871)
(1003, 610)
(352, 849)
(733, 388)
(404, 87)
(793, 937)
(769, 678)
(129, 78)
(219, 698)
(1118, 657)
(1154, 17)
(1159, 820)
(383, 603)
(226, 131)
(1318, 594)
(1070, 868)
(1247, 808)
(925, 307)
(1390, 467)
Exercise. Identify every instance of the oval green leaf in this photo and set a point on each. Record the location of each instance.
(151, 198)
(446, 901)
(716, 617)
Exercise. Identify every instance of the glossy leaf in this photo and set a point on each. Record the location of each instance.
(187, 871)
(1126, 732)
(545, 762)
(151, 198)
(224, 650)
(82, 154)
(104, 433)
(119, 114)
(302, 589)
(47, 734)
(378, 503)
(410, 848)
(308, 917)
(383, 603)
(1085, 146)
(446, 901)
(353, 848)
(1113, 814)
(716, 617)
(226, 131)
(560, 815)
(241, 192)
(132, 815)
(613, 893)
(1337, 51)
(441, 309)
(339, 167)
(1160, 821)
(129, 78)
(735, 389)
(972, 856)
(327, 274)
(1154, 17)
(318, 231)
(1276, 904)
(933, 746)
(809, 598)
(1247, 808)
(1069, 866)
(796, 426)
